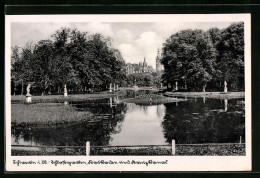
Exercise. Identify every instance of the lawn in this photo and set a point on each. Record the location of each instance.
(61, 98)
(46, 112)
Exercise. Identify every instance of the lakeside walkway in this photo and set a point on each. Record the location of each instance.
(72, 97)
(218, 95)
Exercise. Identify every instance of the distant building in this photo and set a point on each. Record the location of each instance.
(158, 62)
(142, 67)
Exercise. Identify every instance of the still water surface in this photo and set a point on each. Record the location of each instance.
(197, 120)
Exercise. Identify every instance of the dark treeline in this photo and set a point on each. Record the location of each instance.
(142, 79)
(76, 59)
(205, 59)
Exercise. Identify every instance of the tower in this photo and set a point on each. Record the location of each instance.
(144, 66)
(158, 62)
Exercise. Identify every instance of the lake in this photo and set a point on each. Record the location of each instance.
(115, 123)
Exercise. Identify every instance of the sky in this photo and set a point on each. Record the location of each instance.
(135, 40)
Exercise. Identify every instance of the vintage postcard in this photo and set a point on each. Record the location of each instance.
(128, 92)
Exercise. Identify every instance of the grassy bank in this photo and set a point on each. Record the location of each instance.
(181, 150)
(46, 112)
(140, 88)
(61, 98)
(151, 99)
(218, 95)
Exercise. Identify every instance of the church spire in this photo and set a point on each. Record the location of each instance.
(158, 54)
(158, 61)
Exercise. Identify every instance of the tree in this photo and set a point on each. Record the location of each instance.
(15, 67)
(215, 36)
(189, 56)
(44, 66)
(22, 67)
(87, 60)
(231, 54)
(64, 40)
(147, 79)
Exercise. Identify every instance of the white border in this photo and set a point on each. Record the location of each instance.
(175, 163)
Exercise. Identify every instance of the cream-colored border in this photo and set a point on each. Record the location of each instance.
(175, 163)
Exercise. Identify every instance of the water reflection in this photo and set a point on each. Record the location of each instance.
(141, 126)
(197, 120)
(97, 130)
(226, 104)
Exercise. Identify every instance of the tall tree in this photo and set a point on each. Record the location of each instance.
(65, 73)
(231, 54)
(15, 68)
(44, 63)
(25, 66)
(189, 56)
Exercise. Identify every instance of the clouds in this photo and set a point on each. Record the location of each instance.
(130, 53)
(102, 28)
(24, 32)
(123, 36)
(134, 40)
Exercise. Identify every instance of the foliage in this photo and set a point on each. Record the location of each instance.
(140, 79)
(231, 55)
(72, 58)
(200, 58)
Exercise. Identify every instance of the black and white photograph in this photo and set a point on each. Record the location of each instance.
(156, 88)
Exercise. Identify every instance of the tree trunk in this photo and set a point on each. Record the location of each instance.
(14, 88)
(22, 88)
(49, 91)
(171, 86)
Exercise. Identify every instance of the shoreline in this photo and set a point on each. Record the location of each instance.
(217, 95)
(121, 91)
(72, 97)
(181, 150)
(166, 98)
(140, 88)
(160, 100)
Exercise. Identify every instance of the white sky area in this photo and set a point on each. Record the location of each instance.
(134, 40)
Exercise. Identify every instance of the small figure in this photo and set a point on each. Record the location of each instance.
(65, 91)
(225, 86)
(110, 88)
(28, 89)
(28, 95)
